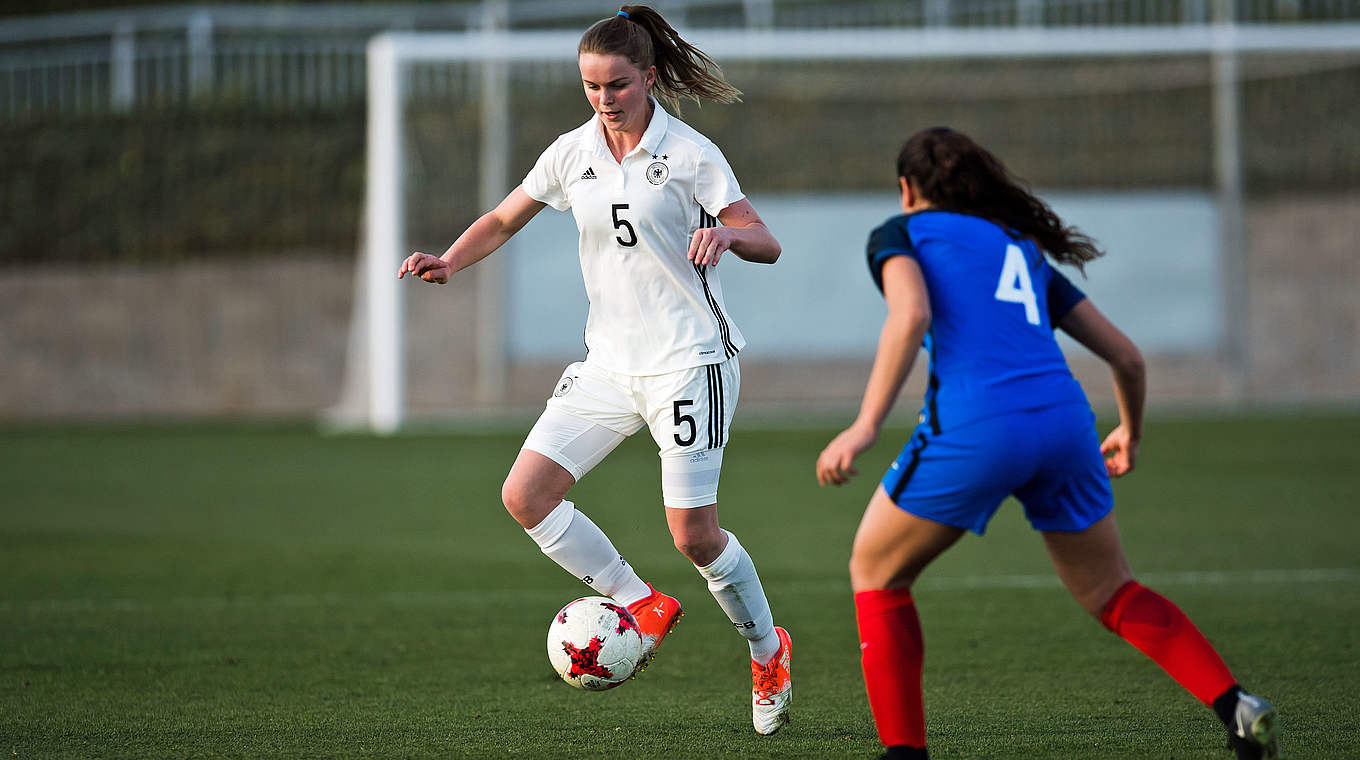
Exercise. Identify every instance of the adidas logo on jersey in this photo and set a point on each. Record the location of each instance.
(589, 173)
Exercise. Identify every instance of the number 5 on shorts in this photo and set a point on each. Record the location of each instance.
(683, 419)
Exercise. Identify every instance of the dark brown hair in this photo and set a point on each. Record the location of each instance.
(954, 173)
(645, 39)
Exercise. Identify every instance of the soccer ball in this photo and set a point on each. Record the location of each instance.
(594, 643)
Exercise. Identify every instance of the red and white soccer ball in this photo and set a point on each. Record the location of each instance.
(594, 643)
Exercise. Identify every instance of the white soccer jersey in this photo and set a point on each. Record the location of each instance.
(651, 309)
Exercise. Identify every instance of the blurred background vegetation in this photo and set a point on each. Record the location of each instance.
(217, 178)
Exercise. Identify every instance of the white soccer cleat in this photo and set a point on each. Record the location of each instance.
(1254, 733)
(772, 688)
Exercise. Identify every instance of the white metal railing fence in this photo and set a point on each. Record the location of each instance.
(313, 55)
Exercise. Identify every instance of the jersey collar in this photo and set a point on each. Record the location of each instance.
(656, 129)
(651, 138)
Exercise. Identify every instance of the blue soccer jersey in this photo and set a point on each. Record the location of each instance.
(994, 301)
(1003, 414)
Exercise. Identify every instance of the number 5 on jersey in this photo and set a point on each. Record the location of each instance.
(1015, 286)
(622, 224)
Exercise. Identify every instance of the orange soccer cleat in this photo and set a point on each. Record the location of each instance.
(656, 616)
(772, 688)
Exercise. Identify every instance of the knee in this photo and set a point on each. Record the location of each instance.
(862, 575)
(1105, 602)
(524, 503)
(700, 548)
(868, 573)
(1097, 597)
(1094, 603)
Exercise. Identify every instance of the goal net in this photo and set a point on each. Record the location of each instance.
(1154, 140)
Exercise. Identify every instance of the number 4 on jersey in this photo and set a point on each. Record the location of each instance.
(1014, 286)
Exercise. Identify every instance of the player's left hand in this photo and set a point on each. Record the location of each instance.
(709, 244)
(835, 465)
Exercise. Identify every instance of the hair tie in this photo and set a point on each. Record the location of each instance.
(625, 15)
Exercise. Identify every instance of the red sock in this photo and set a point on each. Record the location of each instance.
(1158, 629)
(891, 651)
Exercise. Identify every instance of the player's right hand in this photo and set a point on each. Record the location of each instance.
(426, 267)
(835, 465)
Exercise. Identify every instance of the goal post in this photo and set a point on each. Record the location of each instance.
(384, 236)
(375, 396)
(385, 233)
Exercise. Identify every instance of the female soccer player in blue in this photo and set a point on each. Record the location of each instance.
(964, 272)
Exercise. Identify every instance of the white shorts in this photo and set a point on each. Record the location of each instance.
(688, 413)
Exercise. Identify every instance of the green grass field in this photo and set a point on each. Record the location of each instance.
(269, 592)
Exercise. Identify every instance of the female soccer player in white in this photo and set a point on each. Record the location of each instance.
(647, 192)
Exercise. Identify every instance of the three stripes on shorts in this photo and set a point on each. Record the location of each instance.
(716, 408)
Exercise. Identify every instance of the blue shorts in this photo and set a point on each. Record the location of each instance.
(1048, 458)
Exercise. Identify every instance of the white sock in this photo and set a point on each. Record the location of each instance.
(571, 540)
(733, 582)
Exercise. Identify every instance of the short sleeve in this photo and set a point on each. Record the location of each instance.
(1062, 296)
(543, 183)
(887, 240)
(715, 186)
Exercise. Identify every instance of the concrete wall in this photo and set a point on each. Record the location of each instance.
(262, 337)
(268, 337)
(1304, 299)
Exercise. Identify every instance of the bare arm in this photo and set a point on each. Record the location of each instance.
(1090, 328)
(908, 319)
(483, 237)
(743, 233)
